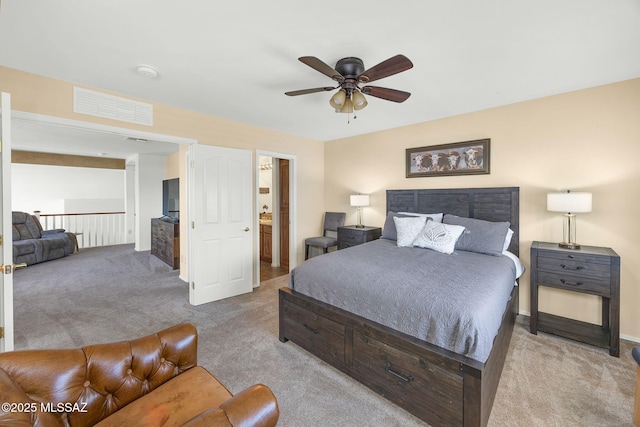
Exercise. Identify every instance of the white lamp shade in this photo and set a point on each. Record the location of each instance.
(360, 200)
(569, 202)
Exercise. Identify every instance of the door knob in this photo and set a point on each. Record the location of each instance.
(246, 229)
(7, 269)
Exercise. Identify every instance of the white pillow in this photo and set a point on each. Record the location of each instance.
(437, 217)
(408, 228)
(439, 237)
(507, 239)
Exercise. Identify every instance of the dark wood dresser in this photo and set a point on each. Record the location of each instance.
(350, 235)
(165, 241)
(590, 270)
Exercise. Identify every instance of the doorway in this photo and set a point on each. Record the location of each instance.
(92, 133)
(274, 195)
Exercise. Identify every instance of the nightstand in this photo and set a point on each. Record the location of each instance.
(350, 235)
(590, 270)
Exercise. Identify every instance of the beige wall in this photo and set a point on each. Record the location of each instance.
(583, 140)
(41, 95)
(173, 166)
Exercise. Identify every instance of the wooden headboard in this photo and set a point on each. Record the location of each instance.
(490, 204)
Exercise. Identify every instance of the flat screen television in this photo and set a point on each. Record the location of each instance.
(171, 198)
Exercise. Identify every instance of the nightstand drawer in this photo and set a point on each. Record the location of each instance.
(582, 283)
(350, 237)
(578, 264)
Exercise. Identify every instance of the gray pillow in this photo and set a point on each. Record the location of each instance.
(389, 230)
(485, 237)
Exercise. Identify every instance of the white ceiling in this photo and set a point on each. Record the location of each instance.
(236, 59)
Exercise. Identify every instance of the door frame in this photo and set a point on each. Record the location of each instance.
(293, 211)
(116, 130)
(6, 275)
(91, 126)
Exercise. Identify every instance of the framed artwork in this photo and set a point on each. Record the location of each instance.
(459, 158)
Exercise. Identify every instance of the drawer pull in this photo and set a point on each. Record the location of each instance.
(314, 330)
(564, 282)
(580, 267)
(398, 375)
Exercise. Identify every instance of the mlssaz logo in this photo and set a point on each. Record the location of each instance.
(63, 407)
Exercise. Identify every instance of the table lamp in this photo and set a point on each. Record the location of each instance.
(569, 203)
(360, 200)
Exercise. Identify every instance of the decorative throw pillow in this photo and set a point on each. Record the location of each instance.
(435, 217)
(439, 237)
(408, 228)
(485, 237)
(389, 229)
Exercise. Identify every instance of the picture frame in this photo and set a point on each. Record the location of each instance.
(458, 158)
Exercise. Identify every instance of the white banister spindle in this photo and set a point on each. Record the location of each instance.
(91, 229)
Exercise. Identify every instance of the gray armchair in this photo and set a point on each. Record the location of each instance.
(329, 238)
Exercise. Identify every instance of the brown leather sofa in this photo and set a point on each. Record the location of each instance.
(150, 381)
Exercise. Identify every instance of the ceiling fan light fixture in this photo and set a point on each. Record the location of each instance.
(349, 73)
(359, 101)
(337, 101)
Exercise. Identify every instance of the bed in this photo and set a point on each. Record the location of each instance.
(440, 383)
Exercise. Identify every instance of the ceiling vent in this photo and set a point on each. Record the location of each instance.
(134, 139)
(111, 107)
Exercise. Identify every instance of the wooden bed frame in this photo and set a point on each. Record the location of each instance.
(434, 384)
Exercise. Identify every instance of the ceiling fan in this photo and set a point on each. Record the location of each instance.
(350, 75)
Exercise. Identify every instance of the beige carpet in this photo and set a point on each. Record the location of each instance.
(111, 294)
(550, 381)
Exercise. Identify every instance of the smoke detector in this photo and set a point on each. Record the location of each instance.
(147, 71)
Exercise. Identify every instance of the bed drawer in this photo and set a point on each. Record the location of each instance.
(317, 334)
(407, 380)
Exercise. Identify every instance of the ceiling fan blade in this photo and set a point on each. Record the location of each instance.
(391, 66)
(384, 93)
(318, 65)
(306, 91)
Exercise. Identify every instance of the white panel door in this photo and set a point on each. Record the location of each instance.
(220, 216)
(6, 272)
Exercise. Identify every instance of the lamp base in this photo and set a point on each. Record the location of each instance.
(566, 245)
(359, 226)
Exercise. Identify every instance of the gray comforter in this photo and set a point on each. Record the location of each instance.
(453, 301)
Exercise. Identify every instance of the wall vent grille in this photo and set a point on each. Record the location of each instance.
(111, 107)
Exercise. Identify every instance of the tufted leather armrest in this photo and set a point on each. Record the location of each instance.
(95, 380)
(255, 406)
